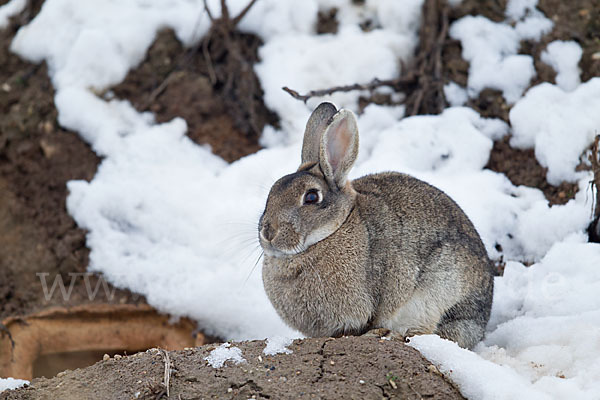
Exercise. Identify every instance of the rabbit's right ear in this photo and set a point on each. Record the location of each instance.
(339, 148)
(315, 127)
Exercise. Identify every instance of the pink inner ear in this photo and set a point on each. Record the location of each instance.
(338, 141)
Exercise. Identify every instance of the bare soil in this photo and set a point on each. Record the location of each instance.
(322, 368)
(212, 86)
(221, 100)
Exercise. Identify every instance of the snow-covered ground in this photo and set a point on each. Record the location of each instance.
(170, 220)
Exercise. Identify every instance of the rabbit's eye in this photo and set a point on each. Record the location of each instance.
(311, 197)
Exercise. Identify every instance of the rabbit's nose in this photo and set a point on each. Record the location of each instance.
(267, 232)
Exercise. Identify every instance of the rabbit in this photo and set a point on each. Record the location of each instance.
(385, 251)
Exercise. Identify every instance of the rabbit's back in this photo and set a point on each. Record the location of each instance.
(427, 262)
(424, 214)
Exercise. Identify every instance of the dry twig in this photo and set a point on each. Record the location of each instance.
(243, 13)
(594, 158)
(167, 376)
(398, 84)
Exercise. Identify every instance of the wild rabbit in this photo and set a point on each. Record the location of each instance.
(383, 251)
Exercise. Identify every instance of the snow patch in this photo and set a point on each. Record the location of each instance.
(9, 10)
(12, 383)
(564, 57)
(455, 94)
(475, 377)
(560, 125)
(491, 49)
(277, 345)
(219, 356)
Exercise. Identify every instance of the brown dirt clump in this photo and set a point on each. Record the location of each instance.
(348, 367)
(327, 21)
(491, 9)
(211, 85)
(522, 168)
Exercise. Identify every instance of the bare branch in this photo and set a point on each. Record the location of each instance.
(167, 375)
(224, 11)
(208, 11)
(173, 76)
(398, 84)
(208, 60)
(594, 158)
(242, 14)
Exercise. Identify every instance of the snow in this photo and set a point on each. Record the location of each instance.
(219, 356)
(491, 49)
(170, 220)
(11, 383)
(455, 94)
(560, 125)
(564, 57)
(277, 345)
(10, 9)
(476, 378)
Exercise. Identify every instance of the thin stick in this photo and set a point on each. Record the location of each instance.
(438, 56)
(173, 75)
(595, 161)
(208, 11)
(224, 11)
(167, 376)
(208, 60)
(242, 14)
(403, 82)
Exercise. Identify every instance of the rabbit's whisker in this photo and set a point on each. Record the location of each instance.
(254, 266)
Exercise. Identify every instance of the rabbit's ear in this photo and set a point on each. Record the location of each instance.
(316, 125)
(339, 148)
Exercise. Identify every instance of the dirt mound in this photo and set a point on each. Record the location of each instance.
(211, 85)
(349, 367)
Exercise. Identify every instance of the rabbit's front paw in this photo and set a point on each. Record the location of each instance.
(386, 334)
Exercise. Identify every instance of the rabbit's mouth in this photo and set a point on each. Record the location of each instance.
(281, 252)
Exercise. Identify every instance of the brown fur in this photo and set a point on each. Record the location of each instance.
(383, 251)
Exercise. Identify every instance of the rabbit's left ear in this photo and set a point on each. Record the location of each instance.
(316, 125)
(339, 148)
